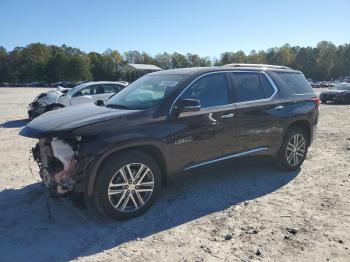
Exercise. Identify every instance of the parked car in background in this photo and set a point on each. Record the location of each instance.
(83, 93)
(45, 102)
(70, 85)
(4, 84)
(339, 93)
(90, 92)
(167, 122)
(322, 84)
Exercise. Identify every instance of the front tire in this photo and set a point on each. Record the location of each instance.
(127, 185)
(293, 150)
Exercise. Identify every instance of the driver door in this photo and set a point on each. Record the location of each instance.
(206, 135)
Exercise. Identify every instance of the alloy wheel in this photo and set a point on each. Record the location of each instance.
(295, 150)
(131, 187)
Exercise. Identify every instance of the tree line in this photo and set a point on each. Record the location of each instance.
(50, 63)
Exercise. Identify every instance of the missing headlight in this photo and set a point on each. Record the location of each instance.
(65, 154)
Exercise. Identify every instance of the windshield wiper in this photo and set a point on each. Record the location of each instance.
(116, 106)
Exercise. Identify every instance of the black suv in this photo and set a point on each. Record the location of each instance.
(118, 154)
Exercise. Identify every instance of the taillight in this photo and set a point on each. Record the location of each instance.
(316, 100)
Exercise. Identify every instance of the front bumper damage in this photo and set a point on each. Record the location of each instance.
(34, 110)
(57, 161)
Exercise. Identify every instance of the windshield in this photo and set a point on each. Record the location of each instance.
(145, 92)
(341, 87)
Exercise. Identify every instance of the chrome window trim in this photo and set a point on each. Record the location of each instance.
(208, 110)
(231, 104)
(227, 157)
(305, 94)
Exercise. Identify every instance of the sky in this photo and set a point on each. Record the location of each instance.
(207, 28)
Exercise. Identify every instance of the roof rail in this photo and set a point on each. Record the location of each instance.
(256, 65)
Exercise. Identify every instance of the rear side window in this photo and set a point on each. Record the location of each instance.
(296, 82)
(248, 87)
(110, 88)
(268, 89)
(210, 90)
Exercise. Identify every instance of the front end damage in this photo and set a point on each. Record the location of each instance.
(57, 160)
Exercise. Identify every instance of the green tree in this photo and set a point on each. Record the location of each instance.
(326, 59)
(342, 65)
(40, 62)
(133, 57)
(164, 60)
(195, 60)
(178, 61)
(4, 65)
(78, 68)
(233, 57)
(305, 61)
(56, 65)
(283, 56)
(148, 59)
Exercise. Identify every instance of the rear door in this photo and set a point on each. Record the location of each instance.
(98, 93)
(259, 126)
(207, 134)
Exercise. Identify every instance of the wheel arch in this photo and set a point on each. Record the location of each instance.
(304, 125)
(150, 149)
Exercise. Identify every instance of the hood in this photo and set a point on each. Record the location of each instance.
(62, 121)
(49, 97)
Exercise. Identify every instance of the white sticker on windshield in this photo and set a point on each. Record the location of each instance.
(168, 83)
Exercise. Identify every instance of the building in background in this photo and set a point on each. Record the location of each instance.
(131, 72)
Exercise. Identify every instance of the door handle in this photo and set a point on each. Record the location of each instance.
(227, 116)
(279, 107)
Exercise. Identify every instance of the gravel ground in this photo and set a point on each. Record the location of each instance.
(242, 210)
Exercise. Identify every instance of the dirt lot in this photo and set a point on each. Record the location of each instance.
(242, 210)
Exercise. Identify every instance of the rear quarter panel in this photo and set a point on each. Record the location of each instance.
(297, 111)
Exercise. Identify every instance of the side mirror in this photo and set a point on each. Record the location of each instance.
(100, 103)
(187, 105)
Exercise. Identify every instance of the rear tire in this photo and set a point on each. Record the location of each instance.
(324, 101)
(127, 185)
(293, 150)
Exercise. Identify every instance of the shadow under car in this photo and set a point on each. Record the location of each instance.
(73, 232)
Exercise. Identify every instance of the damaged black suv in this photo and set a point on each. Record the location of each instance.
(118, 154)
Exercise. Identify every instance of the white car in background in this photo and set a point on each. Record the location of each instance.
(84, 93)
(90, 93)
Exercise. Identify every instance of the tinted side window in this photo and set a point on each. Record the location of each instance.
(248, 87)
(90, 90)
(110, 88)
(119, 88)
(296, 82)
(210, 90)
(99, 90)
(268, 89)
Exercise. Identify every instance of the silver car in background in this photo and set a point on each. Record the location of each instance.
(84, 93)
(90, 92)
